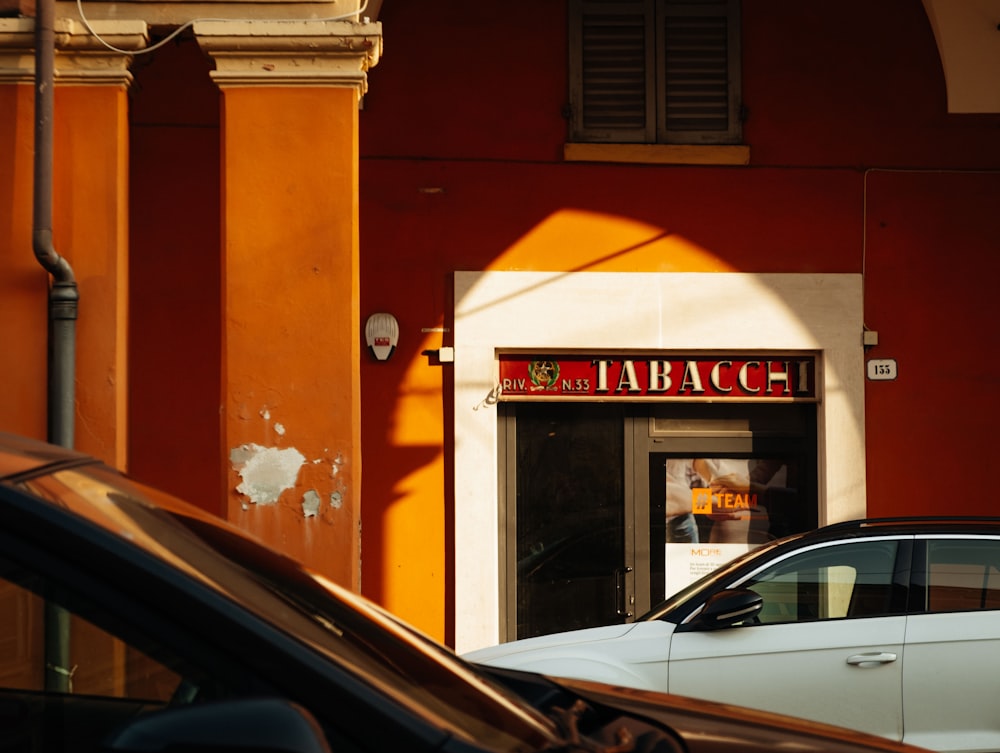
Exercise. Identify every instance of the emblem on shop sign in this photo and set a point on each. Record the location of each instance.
(543, 374)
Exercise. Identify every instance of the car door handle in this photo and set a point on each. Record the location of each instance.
(876, 657)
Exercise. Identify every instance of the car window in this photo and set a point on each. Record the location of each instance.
(48, 647)
(963, 575)
(57, 664)
(851, 579)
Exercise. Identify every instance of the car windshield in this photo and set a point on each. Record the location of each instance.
(413, 670)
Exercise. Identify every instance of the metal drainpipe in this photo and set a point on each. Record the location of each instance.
(63, 294)
(63, 298)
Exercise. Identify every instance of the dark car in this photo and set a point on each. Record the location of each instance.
(131, 621)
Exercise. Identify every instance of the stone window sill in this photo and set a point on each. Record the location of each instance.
(659, 154)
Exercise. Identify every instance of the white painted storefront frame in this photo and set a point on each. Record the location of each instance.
(593, 311)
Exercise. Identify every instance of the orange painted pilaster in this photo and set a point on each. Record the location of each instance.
(23, 326)
(89, 226)
(291, 331)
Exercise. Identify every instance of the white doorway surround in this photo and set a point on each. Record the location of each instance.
(559, 312)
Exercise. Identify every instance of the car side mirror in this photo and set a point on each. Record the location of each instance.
(262, 724)
(729, 607)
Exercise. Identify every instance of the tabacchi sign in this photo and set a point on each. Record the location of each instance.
(764, 377)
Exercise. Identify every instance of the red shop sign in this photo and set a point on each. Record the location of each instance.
(687, 377)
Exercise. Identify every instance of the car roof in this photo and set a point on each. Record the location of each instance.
(915, 524)
(24, 457)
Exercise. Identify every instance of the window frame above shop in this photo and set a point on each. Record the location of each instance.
(655, 81)
(662, 60)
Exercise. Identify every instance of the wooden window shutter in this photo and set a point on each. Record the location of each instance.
(612, 56)
(698, 55)
(655, 71)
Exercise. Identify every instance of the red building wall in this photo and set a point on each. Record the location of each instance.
(931, 270)
(855, 167)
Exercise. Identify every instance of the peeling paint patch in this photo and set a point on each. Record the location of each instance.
(310, 503)
(266, 471)
(335, 465)
(336, 500)
(265, 414)
(280, 429)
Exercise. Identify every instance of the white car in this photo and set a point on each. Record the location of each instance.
(886, 626)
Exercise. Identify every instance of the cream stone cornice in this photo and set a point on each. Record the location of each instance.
(80, 57)
(291, 53)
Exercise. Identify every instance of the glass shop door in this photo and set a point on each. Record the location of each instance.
(568, 517)
(608, 507)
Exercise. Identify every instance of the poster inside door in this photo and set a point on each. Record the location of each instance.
(717, 508)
